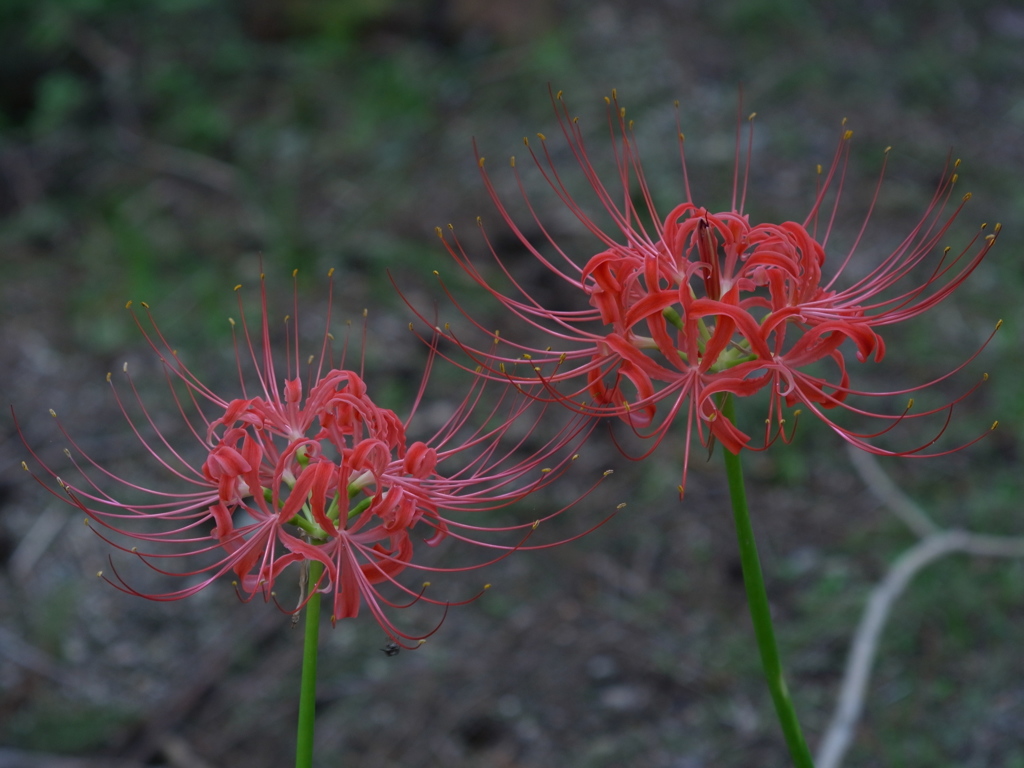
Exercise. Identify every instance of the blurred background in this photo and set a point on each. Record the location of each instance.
(167, 150)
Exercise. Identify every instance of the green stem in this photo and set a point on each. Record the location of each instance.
(307, 694)
(757, 600)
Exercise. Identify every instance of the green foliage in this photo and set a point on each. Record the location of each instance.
(58, 96)
(55, 726)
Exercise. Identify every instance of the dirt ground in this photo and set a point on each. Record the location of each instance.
(629, 647)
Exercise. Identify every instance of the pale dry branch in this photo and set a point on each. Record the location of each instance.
(890, 494)
(934, 544)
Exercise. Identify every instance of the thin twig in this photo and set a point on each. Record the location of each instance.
(890, 494)
(934, 544)
(865, 643)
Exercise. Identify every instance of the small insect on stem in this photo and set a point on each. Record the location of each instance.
(391, 649)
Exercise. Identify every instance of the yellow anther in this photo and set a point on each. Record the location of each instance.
(887, 150)
(967, 197)
(848, 135)
(479, 221)
(545, 470)
(607, 472)
(676, 103)
(574, 457)
(630, 122)
(410, 326)
(682, 136)
(99, 574)
(144, 305)
(607, 100)
(994, 424)
(238, 287)
(512, 161)
(910, 404)
(438, 231)
(436, 273)
(558, 95)
(999, 324)
(365, 312)
(984, 225)
(990, 238)
(953, 179)
(996, 228)
(575, 121)
(125, 367)
(25, 467)
(108, 377)
(447, 327)
(53, 413)
(946, 250)
(309, 360)
(451, 227)
(680, 489)
(67, 453)
(128, 304)
(486, 586)
(956, 163)
(536, 525)
(480, 162)
(527, 357)
(542, 137)
(984, 377)
(819, 169)
(135, 549)
(622, 112)
(501, 367)
(752, 116)
(295, 273)
(232, 321)
(330, 272)
(330, 336)
(426, 584)
(620, 505)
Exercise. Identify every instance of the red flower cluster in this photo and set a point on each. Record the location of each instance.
(704, 305)
(313, 471)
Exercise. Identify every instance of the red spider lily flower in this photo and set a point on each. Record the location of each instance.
(306, 467)
(700, 304)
